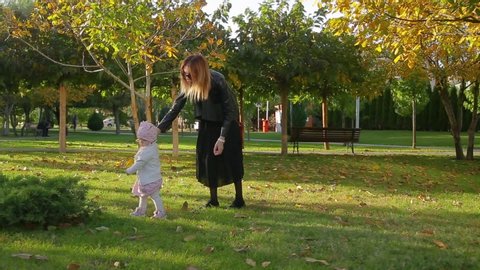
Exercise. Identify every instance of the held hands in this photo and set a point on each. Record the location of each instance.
(218, 148)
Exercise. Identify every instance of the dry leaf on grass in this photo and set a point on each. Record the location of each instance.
(251, 262)
(189, 238)
(133, 237)
(209, 249)
(440, 244)
(73, 266)
(313, 260)
(428, 232)
(28, 256)
(242, 248)
(265, 264)
(102, 228)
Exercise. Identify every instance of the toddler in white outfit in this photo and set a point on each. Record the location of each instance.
(147, 166)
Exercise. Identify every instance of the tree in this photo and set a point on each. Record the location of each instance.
(280, 38)
(134, 35)
(410, 96)
(439, 36)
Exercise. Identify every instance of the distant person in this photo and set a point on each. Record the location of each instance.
(147, 166)
(219, 154)
(44, 126)
(74, 122)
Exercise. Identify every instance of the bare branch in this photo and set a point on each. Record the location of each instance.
(51, 59)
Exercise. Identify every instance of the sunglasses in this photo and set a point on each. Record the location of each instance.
(186, 75)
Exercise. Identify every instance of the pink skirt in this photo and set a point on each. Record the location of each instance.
(146, 190)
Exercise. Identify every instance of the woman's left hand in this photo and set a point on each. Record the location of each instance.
(218, 148)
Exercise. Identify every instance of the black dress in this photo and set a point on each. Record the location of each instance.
(217, 171)
(218, 116)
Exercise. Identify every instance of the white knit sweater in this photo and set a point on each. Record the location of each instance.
(147, 164)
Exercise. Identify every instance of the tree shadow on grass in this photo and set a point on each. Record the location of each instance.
(286, 234)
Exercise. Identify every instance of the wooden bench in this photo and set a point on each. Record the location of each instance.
(315, 134)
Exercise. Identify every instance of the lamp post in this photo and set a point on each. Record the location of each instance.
(258, 105)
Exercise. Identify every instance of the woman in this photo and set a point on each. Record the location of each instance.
(219, 145)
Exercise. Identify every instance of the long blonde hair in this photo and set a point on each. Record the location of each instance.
(200, 78)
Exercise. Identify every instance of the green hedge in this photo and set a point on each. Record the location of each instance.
(31, 201)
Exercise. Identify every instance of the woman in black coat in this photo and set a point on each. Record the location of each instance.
(219, 157)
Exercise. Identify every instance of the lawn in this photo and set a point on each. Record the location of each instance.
(383, 208)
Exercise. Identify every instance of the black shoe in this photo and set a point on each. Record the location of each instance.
(238, 203)
(211, 203)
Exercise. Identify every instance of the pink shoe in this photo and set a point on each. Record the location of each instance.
(159, 214)
(138, 213)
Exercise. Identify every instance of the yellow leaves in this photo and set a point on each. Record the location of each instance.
(124, 163)
(398, 58)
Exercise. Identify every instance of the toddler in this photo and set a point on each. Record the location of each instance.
(147, 167)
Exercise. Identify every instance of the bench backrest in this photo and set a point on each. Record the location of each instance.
(314, 134)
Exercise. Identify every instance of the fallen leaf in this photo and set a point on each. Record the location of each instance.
(189, 238)
(133, 237)
(102, 228)
(73, 266)
(238, 215)
(41, 258)
(428, 232)
(457, 203)
(440, 244)
(265, 264)
(208, 249)
(313, 260)
(25, 256)
(241, 249)
(251, 262)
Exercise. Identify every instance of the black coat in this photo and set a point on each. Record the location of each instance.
(220, 106)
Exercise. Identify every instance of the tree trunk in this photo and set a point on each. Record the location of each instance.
(326, 145)
(455, 131)
(62, 125)
(474, 122)
(6, 118)
(148, 92)
(284, 101)
(133, 97)
(116, 115)
(414, 124)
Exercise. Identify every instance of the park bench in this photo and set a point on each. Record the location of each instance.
(316, 134)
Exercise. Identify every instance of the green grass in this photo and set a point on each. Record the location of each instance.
(375, 210)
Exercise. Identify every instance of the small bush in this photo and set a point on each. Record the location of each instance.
(42, 202)
(95, 122)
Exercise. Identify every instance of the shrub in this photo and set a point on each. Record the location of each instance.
(33, 201)
(95, 122)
